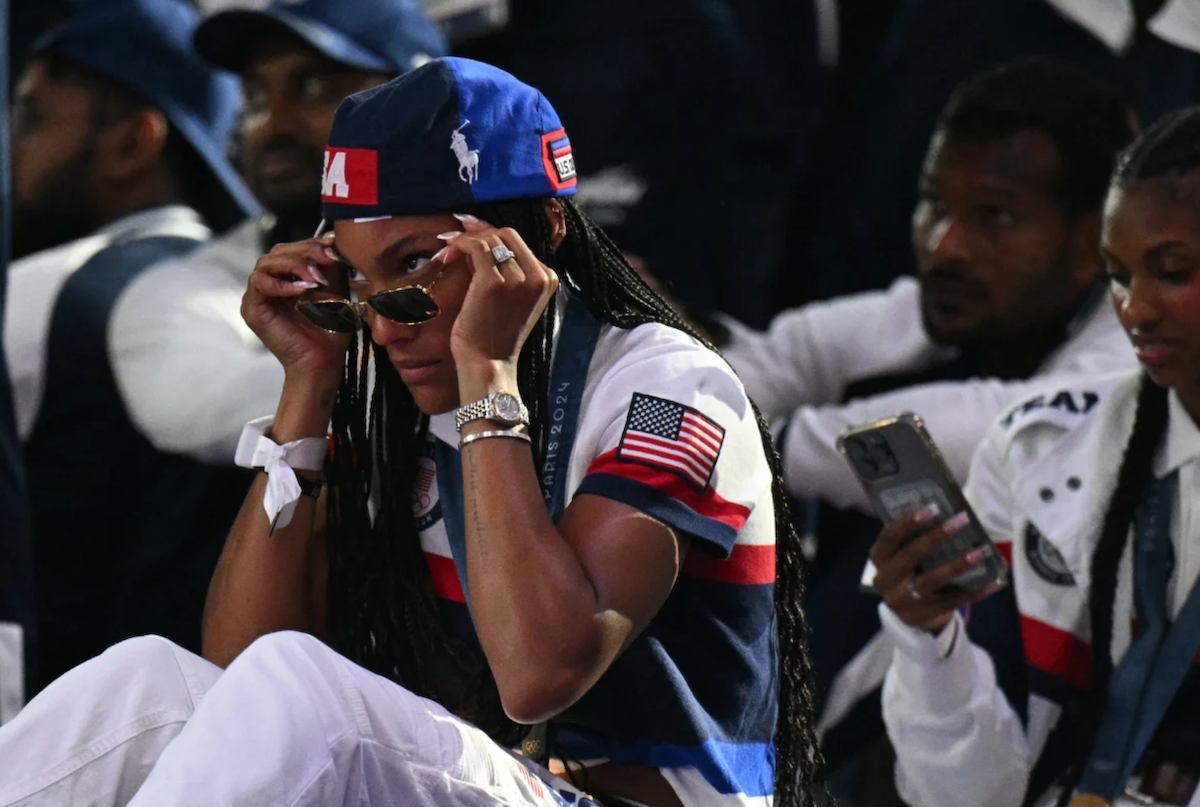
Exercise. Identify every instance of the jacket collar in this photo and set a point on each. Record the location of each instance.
(1183, 440)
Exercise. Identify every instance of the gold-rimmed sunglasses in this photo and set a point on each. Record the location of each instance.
(407, 305)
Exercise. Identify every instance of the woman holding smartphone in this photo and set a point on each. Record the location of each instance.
(546, 503)
(1077, 684)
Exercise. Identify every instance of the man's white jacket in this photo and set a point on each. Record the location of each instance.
(190, 370)
(800, 369)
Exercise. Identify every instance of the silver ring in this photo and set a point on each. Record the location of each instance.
(911, 585)
(501, 253)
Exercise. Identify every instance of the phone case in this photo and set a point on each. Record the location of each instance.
(901, 470)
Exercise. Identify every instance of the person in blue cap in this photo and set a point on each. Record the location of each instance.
(118, 158)
(297, 61)
(545, 502)
(179, 322)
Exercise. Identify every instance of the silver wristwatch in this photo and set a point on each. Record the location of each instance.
(502, 407)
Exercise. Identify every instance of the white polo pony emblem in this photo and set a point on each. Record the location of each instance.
(468, 159)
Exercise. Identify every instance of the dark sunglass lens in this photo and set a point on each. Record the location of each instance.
(405, 305)
(330, 315)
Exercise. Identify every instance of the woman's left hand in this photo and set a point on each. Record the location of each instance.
(502, 305)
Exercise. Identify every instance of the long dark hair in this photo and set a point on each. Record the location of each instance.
(382, 611)
(1169, 148)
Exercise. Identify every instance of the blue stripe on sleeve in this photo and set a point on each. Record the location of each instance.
(730, 768)
(718, 538)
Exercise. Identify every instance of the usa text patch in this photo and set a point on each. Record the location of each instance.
(559, 160)
(668, 435)
(351, 177)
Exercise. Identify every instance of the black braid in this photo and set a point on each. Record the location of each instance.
(1148, 430)
(1169, 148)
(382, 610)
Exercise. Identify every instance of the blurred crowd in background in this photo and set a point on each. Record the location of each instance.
(752, 156)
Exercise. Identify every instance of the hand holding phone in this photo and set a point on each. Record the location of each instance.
(921, 596)
(903, 473)
(933, 557)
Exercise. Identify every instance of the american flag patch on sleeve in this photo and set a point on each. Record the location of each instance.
(673, 437)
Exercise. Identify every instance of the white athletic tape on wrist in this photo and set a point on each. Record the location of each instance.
(257, 450)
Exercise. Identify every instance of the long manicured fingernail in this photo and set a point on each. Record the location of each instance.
(316, 273)
(450, 236)
(331, 255)
(304, 284)
(926, 513)
(956, 522)
(974, 556)
(466, 218)
(440, 254)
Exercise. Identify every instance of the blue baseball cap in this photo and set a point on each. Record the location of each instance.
(385, 36)
(450, 134)
(145, 46)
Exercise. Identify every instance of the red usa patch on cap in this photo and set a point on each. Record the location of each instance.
(351, 177)
(558, 160)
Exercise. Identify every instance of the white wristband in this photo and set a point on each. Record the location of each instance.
(256, 450)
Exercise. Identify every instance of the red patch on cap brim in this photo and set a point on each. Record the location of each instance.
(351, 177)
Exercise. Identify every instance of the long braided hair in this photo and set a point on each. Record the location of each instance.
(382, 611)
(1169, 148)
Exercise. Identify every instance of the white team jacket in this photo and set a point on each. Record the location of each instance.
(1040, 484)
(800, 368)
(190, 370)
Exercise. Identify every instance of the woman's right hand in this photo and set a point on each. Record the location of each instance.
(286, 273)
(913, 596)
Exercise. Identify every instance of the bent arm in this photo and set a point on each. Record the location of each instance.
(554, 606)
(957, 739)
(266, 582)
(810, 355)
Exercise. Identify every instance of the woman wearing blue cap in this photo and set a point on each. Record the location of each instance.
(544, 502)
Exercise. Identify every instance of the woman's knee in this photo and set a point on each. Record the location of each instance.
(286, 656)
(157, 664)
(279, 671)
(131, 677)
(282, 647)
(143, 657)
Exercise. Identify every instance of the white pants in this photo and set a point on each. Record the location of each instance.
(289, 724)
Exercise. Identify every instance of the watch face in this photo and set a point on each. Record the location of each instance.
(507, 407)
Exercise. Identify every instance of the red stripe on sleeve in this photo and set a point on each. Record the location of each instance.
(445, 578)
(1057, 652)
(1005, 550)
(748, 565)
(707, 502)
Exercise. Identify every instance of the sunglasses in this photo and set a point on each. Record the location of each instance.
(407, 305)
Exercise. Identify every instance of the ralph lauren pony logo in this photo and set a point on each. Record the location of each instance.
(468, 158)
(351, 176)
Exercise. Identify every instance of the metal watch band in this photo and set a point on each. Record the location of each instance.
(483, 409)
(472, 411)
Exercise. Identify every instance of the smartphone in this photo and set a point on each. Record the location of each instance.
(901, 470)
